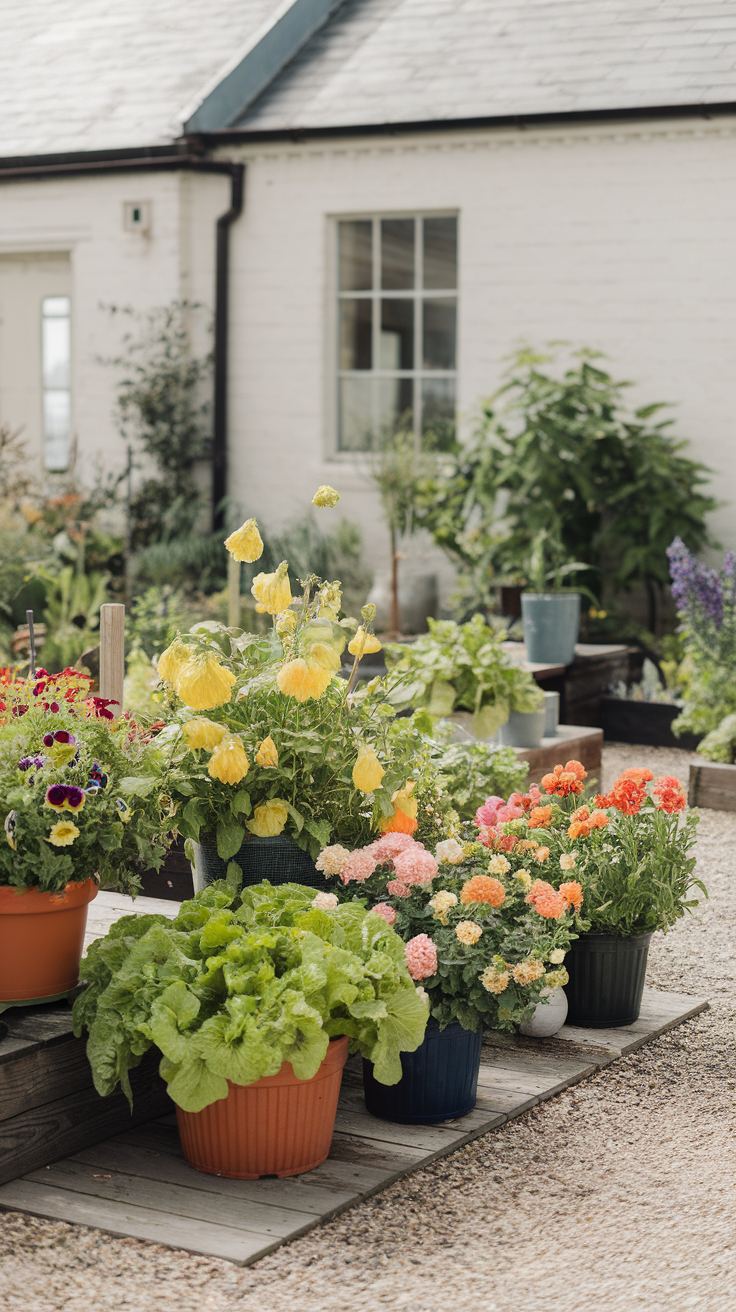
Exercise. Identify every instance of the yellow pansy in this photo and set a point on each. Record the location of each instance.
(272, 591)
(201, 733)
(228, 762)
(204, 683)
(363, 643)
(325, 496)
(63, 833)
(269, 818)
(367, 771)
(245, 544)
(267, 756)
(171, 661)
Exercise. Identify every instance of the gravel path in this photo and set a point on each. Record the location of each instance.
(618, 1194)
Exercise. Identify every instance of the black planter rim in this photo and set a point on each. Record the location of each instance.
(594, 937)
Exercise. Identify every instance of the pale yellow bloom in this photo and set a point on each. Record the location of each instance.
(301, 681)
(267, 756)
(269, 818)
(557, 979)
(228, 762)
(245, 543)
(403, 800)
(567, 860)
(541, 854)
(202, 733)
(524, 879)
(498, 865)
(272, 591)
(527, 971)
(422, 993)
(363, 643)
(441, 903)
(204, 683)
(330, 601)
(332, 859)
(325, 496)
(450, 852)
(63, 833)
(367, 771)
(557, 956)
(324, 657)
(468, 932)
(286, 623)
(495, 981)
(171, 661)
(325, 901)
(368, 612)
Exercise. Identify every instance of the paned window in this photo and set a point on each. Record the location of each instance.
(56, 370)
(397, 334)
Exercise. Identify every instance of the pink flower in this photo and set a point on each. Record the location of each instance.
(508, 812)
(386, 912)
(359, 866)
(388, 847)
(395, 888)
(486, 814)
(421, 957)
(415, 866)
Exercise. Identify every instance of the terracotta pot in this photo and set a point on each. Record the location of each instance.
(41, 940)
(278, 1126)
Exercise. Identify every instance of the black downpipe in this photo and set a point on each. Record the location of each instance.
(222, 287)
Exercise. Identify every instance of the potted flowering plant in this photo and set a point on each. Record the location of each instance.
(81, 805)
(482, 940)
(252, 997)
(631, 852)
(288, 756)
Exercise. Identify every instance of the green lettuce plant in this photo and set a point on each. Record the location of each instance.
(240, 982)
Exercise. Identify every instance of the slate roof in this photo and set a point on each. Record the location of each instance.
(394, 61)
(108, 74)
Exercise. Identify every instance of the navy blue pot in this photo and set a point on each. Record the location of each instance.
(439, 1083)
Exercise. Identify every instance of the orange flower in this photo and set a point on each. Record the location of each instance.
(539, 817)
(626, 795)
(636, 773)
(565, 780)
(670, 793)
(497, 841)
(582, 822)
(527, 845)
(541, 854)
(572, 894)
(398, 823)
(599, 820)
(545, 901)
(483, 888)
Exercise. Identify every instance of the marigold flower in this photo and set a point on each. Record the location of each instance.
(527, 971)
(567, 860)
(482, 888)
(367, 771)
(539, 817)
(228, 761)
(495, 981)
(359, 866)
(63, 833)
(325, 901)
(269, 818)
(450, 852)
(386, 912)
(272, 591)
(267, 756)
(331, 860)
(202, 733)
(565, 780)
(301, 681)
(572, 893)
(524, 878)
(204, 683)
(421, 957)
(171, 661)
(363, 644)
(468, 932)
(442, 903)
(545, 901)
(325, 496)
(245, 544)
(556, 956)
(498, 865)
(541, 855)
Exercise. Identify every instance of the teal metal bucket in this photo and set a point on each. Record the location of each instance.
(551, 626)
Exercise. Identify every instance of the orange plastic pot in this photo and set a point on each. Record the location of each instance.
(279, 1125)
(41, 940)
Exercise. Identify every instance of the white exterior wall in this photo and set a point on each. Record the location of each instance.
(616, 237)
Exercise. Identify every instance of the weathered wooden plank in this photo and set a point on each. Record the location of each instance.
(130, 1220)
(41, 1075)
(404, 1140)
(656, 1018)
(712, 785)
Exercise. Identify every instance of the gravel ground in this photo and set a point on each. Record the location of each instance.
(618, 1194)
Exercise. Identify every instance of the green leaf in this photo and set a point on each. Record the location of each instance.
(488, 720)
(240, 803)
(402, 1030)
(194, 1086)
(138, 786)
(230, 837)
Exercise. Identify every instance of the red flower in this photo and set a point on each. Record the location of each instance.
(670, 793)
(626, 795)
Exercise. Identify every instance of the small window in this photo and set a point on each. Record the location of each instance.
(397, 329)
(56, 367)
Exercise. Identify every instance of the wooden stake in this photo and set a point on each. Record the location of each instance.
(112, 653)
(233, 593)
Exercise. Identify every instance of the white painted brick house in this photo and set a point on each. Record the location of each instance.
(439, 177)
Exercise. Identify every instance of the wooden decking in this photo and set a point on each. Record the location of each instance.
(136, 1182)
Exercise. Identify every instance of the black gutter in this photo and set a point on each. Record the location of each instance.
(155, 159)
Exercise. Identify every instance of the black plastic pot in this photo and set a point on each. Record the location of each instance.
(439, 1080)
(606, 979)
(625, 720)
(278, 860)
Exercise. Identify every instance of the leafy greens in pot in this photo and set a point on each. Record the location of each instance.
(239, 983)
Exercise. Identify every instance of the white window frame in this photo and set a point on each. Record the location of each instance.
(418, 294)
(55, 446)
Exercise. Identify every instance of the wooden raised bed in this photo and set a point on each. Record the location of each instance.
(572, 742)
(713, 785)
(625, 720)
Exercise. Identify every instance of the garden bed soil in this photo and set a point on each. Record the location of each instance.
(625, 720)
(712, 785)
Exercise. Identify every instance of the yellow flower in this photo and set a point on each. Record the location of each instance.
(267, 756)
(272, 591)
(286, 623)
(556, 979)
(403, 800)
(204, 683)
(228, 762)
(269, 818)
(557, 956)
(367, 771)
(567, 860)
(63, 833)
(170, 662)
(527, 971)
(245, 543)
(363, 643)
(468, 932)
(323, 657)
(495, 981)
(441, 903)
(330, 601)
(201, 733)
(498, 865)
(450, 851)
(325, 496)
(301, 681)
(524, 879)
